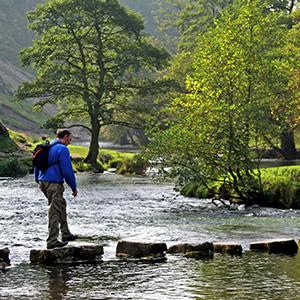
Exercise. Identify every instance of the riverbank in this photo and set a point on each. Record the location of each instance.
(280, 188)
(15, 157)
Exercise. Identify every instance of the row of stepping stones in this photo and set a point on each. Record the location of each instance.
(150, 252)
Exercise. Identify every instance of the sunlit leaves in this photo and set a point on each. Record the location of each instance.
(235, 79)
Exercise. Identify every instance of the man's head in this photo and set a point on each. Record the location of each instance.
(64, 136)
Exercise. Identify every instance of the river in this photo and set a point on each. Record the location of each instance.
(111, 207)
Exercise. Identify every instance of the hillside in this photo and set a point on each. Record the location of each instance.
(14, 36)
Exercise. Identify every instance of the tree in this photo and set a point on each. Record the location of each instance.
(218, 123)
(287, 139)
(90, 57)
(192, 19)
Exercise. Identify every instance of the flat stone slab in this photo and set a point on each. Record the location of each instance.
(276, 246)
(186, 247)
(139, 250)
(198, 251)
(228, 248)
(179, 248)
(77, 254)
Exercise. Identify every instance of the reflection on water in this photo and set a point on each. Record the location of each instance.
(111, 207)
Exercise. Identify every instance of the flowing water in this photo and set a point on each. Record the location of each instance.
(111, 207)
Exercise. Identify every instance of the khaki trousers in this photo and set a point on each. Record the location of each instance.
(57, 212)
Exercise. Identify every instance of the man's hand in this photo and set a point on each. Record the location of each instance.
(75, 193)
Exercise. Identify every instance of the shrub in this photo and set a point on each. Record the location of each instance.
(13, 167)
(135, 166)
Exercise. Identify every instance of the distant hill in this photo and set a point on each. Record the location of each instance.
(14, 36)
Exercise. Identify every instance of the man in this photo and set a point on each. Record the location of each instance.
(51, 183)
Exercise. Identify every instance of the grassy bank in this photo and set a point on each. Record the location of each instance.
(15, 157)
(14, 162)
(280, 188)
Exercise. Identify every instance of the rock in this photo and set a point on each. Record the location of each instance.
(229, 248)
(79, 254)
(145, 251)
(276, 246)
(204, 247)
(200, 251)
(179, 248)
(3, 266)
(4, 256)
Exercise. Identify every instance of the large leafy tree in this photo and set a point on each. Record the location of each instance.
(90, 58)
(192, 18)
(219, 122)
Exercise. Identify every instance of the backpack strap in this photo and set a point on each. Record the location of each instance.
(50, 146)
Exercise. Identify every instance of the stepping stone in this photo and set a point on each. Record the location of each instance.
(200, 251)
(229, 248)
(179, 248)
(78, 254)
(276, 246)
(142, 251)
(4, 258)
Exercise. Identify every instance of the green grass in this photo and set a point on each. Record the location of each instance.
(280, 188)
(82, 151)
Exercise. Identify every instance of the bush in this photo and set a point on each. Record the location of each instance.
(13, 167)
(283, 186)
(135, 166)
(195, 189)
(280, 189)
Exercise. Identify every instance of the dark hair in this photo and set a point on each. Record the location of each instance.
(62, 133)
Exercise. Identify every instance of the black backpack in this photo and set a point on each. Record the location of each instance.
(40, 156)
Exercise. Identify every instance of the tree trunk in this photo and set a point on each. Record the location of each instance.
(3, 130)
(94, 144)
(288, 146)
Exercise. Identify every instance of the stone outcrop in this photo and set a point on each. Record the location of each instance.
(200, 251)
(289, 247)
(79, 254)
(4, 258)
(142, 251)
(228, 248)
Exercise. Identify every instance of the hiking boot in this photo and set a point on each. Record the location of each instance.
(58, 244)
(69, 238)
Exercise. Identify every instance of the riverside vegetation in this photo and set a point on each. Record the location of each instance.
(208, 112)
(16, 161)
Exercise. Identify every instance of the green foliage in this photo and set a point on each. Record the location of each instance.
(89, 58)
(280, 188)
(80, 166)
(194, 189)
(13, 167)
(7, 145)
(283, 184)
(235, 79)
(134, 166)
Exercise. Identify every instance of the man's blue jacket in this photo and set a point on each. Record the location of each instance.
(60, 166)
